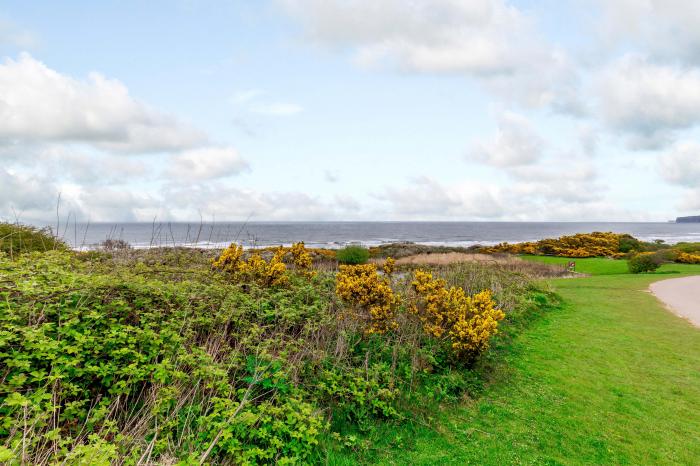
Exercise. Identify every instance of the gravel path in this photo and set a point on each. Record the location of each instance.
(681, 295)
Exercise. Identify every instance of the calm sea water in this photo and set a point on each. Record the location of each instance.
(338, 234)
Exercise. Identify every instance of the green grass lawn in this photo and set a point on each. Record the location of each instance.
(611, 377)
(604, 266)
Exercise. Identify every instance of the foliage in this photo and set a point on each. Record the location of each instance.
(389, 266)
(166, 356)
(111, 244)
(594, 244)
(352, 255)
(370, 296)
(255, 268)
(688, 258)
(16, 238)
(612, 245)
(644, 262)
(405, 249)
(301, 258)
(448, 313)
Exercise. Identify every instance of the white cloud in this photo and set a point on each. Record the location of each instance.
(491, 40)
(25, 195)
(691, 201)
(649, 101)
(681, 165)
(479, 36)
(40, 104)
(666, 29)
(516, 143)
(206, 163)
(549, 197)
(227, 202)
(277, 109)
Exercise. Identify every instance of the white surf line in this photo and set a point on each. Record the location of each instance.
(681, 295)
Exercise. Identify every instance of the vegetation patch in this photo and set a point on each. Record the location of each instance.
(246, 357)
(352, 255)
(16, 238)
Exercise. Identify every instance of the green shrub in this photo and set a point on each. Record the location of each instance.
(352, 255)
(688, 247)
(16, 238)
(629, 243)
(644, 262)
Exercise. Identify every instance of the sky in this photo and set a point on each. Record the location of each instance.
(350, 110)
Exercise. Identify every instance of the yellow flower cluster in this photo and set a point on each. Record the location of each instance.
(255, 269)
(265, 273)
(361, 287)
(687, 258)
(302, 259)
(230, 259)
(468, 322)
(389, 266)
(595, 244)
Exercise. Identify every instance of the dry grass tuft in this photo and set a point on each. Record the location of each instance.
(502, 261)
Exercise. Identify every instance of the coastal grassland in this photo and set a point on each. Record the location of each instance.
(165, 356)
(608, 377)
(606, 266)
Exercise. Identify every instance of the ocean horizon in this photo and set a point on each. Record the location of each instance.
(335, 234)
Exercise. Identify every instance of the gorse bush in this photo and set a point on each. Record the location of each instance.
(352, 255)
(611, 245)
(594, 244)
(369, 296)
(255, 268)
(16, 238)
(688, 258)
(467, 323)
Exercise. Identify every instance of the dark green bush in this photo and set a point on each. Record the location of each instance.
(16, 238)
(645, 262)
(352, 255)
(629, 243)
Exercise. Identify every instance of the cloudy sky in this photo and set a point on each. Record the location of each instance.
(350, 110)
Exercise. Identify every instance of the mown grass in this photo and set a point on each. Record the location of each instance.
(610, 377)
(605, 266)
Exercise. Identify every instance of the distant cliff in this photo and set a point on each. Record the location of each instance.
(694, 219)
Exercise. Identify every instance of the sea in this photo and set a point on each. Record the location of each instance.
(339, 234)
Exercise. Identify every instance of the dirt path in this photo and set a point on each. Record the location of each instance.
(681, 295)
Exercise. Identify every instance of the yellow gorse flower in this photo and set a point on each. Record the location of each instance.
(389, 265)
(594, 244)
(468, 322)
(302, 259)
(686, 258)
(255, 269)
(361, 287)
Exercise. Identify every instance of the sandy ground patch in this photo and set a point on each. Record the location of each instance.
(681, 295)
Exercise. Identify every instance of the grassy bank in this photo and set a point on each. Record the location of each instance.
(610, 377)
